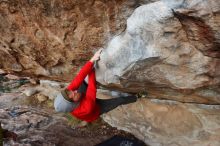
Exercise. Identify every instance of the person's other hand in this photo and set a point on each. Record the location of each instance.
(96, 56)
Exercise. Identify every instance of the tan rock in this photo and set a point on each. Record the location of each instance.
(30, 91)
(2, 71)
(12, 77)
(48, 83)
(34, 81)
(163, 122)
(41, 98)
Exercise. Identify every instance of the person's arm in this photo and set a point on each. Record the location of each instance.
(88, 103)
(86, 69)
(77, 81)
(91, 89)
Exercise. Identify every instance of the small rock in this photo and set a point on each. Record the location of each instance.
(49, 92)
(34, 81)
(30, 91)
(2, 72)
(49, 83)
(41, 98)
(39, 34)
(12, 77)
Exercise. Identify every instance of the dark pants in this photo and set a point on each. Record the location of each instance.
(107, 105)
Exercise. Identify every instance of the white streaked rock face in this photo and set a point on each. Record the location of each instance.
(167, 44)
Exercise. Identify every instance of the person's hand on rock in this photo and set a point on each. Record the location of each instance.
(96, 56)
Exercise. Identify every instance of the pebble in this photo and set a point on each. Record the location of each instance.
(34, 81)
(30, 91)
(12, 77)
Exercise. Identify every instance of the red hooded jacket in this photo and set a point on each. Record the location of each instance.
(88, 110)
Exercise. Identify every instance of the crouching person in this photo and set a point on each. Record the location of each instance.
(79, 97)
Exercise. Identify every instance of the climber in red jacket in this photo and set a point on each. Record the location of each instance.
(79, 97)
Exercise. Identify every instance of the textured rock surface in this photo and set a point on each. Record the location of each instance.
(55, 37)
(168, 123)
(35, 126)
(35, 122)
(170, 49)
(167, 46)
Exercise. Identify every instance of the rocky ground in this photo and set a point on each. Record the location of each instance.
(27, 110)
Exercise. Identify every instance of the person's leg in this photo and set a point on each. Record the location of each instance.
(107, 105)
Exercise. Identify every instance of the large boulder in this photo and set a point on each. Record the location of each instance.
(170, 49)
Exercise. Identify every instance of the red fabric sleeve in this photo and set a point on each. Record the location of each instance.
(77, 81)
(88, 102)
(88, 109)
(91, 89)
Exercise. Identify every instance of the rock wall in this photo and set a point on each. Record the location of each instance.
(53, 38)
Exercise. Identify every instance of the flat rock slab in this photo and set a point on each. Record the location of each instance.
(169, 123)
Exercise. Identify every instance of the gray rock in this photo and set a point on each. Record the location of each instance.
(163, 47)
(48, 83)
(30, 91)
